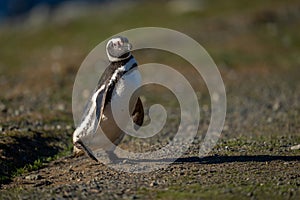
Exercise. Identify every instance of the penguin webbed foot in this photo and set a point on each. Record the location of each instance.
(113, 158)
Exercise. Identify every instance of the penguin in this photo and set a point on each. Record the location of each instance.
(119, 77)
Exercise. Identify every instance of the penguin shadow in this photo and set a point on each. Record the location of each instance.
(221, 159)
(231, 159)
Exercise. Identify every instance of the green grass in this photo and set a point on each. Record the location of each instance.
(29, 151)
(80, 35)
(42, 162)
(37, 164)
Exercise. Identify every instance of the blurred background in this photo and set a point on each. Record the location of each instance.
(255, 44)
(235, 33)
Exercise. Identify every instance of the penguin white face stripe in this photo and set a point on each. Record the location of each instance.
(119, 72)
(115, 75)
(124, 68)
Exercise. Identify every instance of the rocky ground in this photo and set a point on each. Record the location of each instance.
(256, 157)
(251, 160)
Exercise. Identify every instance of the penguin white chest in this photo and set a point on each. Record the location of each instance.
(123, 91)
(127, 83)
(118, 105)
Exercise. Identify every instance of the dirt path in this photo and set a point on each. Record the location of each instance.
(255, 163)
(234, 172)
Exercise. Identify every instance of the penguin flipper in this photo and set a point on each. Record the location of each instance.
(100, 102)
(138, 113)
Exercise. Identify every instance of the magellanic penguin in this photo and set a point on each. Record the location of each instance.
(121, 75)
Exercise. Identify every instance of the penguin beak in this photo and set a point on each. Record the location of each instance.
(127, 46)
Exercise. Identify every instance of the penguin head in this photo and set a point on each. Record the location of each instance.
(118, 49)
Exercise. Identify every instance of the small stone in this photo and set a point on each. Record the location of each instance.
(279, 183)
(33, 177)
(296, 147)
(17, 112)
(276, 106)
(250, 194)
(13, 127)
(66, 194)
(2, 107)
(225, 128)
(269, 120)
(71, 168)
(61, 107)
(68, 127)
(94, 191)
(153, 183)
